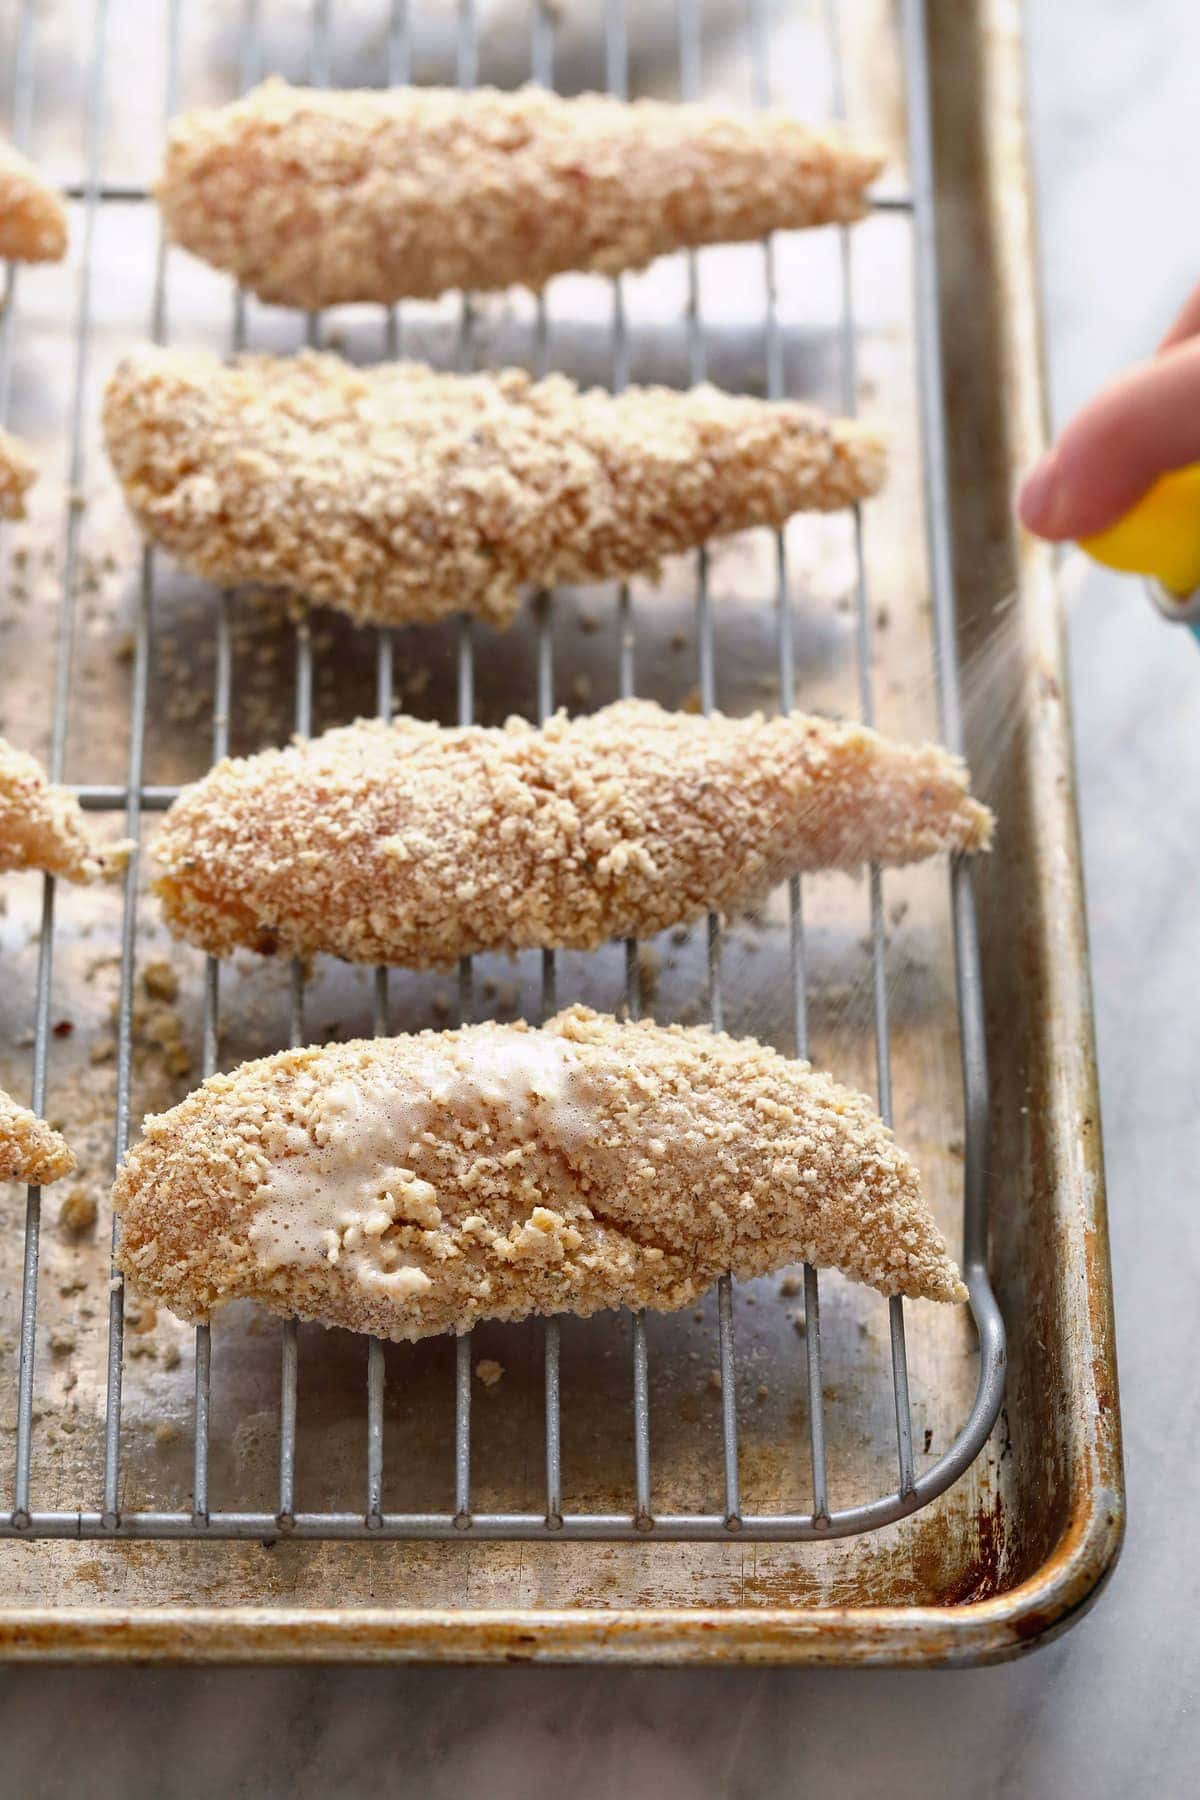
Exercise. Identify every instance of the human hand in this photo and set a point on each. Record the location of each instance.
(1140, 425)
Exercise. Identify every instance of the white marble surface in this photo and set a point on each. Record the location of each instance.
(1109, 1710)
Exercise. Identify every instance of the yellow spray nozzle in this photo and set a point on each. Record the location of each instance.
(1160, 536)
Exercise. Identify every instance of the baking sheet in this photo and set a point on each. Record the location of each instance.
(1000, 1523)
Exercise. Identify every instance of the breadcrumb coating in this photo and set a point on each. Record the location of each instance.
(29, 1150)
(413, 1185)
(397, 493)
(311, 198)
(411, 844)
(18, 472)
(33, 219)
(42, 825)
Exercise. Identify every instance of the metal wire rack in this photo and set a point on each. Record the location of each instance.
(823, 1518)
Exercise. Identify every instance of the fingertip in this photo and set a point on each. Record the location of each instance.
(1041, 503)
(1137, 428)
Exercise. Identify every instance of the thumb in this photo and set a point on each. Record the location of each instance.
(1138, 427)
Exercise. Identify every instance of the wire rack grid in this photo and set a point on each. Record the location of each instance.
(371, 1520)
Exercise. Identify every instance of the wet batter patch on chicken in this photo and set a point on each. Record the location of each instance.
(415, 1185)
(398, 493)
(412, 844)
(311, 198)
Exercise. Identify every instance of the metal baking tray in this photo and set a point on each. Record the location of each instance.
(757, 1481)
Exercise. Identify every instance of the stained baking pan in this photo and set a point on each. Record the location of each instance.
(798, 1471)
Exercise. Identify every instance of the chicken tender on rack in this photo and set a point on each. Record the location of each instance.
(29, 1150)
(312, 198)
(18, 472)
(415, 1185)
(397, 493)
(412, 844)
(33, 219)
(42, 825)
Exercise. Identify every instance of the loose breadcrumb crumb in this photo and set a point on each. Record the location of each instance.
(18, 472)
(33, 220)
(489, 1371)
(42, 825)
(29, 1150)
(160, 980)
(313, 198)
(411, 844)
(398, 493)
(415, 1185)
(77, 1214)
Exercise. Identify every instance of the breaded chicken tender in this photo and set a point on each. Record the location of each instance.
(412, 844)
(42, 825)
(311, 198)
(413, 1185)
(18, 472)
(33, 219)
(399, 494)
(29, 1150)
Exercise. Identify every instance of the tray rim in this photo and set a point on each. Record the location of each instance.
(1068, 1582)
(994, 1630)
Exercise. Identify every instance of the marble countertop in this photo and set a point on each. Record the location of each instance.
(1110, 1709)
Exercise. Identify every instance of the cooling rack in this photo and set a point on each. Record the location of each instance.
(468, 338)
